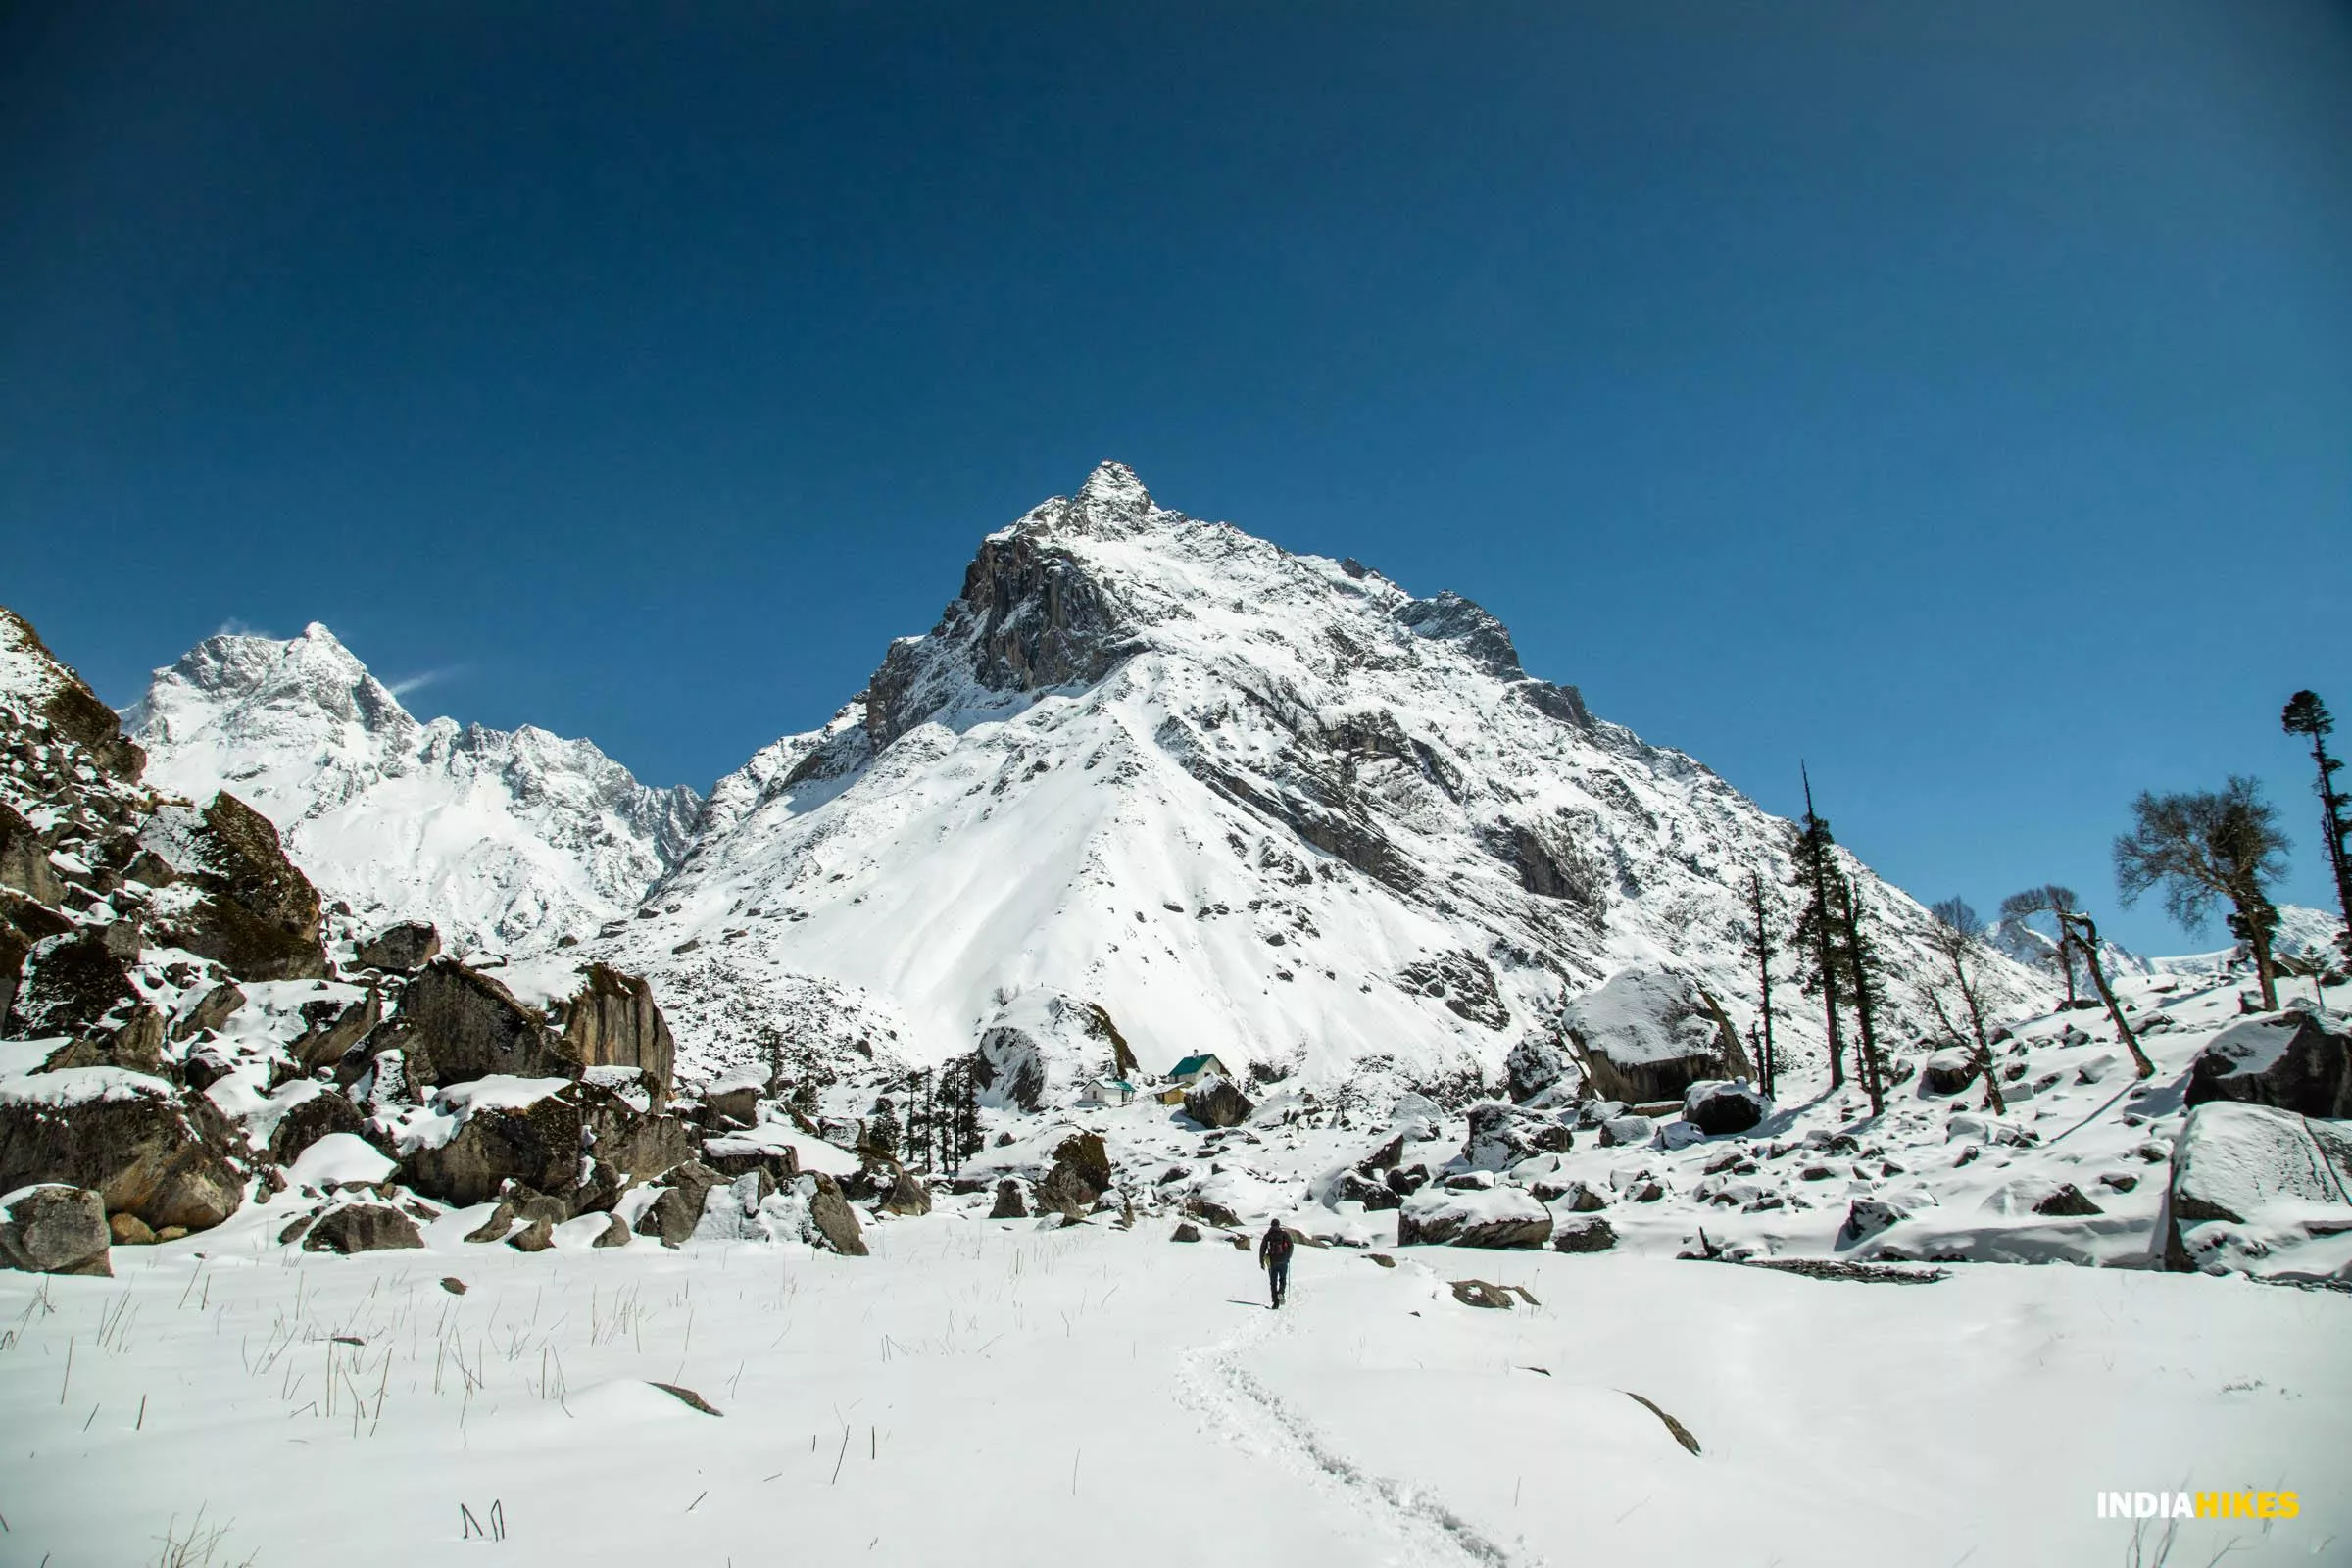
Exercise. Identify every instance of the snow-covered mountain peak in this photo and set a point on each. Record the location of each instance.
(1112, 504)
(500, 837)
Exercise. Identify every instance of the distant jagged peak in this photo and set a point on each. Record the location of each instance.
(237, 677)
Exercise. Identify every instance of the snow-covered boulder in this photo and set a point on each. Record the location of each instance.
(53, 1228)
(456, 1024)
(136, 1140)
(1582, 1233)
(1039, 1047)
(1720, 1105)
(1947, 1071)
(1498, 1217)
(1627, 1131)
(1650, 1034)
(2260, 1190)
(2295, 1059)
(361, 1228)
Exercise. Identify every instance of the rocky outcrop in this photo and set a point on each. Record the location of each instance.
(402, 948)
(1009, 1204)
(614, 1022)
(361, 1228)
(330, 1031)
(459, 1025)
(1650, 1034)
(677, 1207)
(635, 1146)
(2294, 1060)
(907, 1197)
(55, 1229)
(62, 699)
(1008, 1069)
(134, 1139)
(257, 916)
(1214, 1101)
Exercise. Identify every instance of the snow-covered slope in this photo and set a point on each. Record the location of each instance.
(1245, 801)
(502, 838)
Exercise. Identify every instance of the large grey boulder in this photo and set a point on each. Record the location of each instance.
(1499, 1138)
(25, 861)
(402, 948)
(2294, 1060)
(907, 1197)
(2250, 1184)
(613, 1021)
(134, 1140)
(361, 1228)
(330, 1031)
(1495, 1217)
(677, 1208)
(74, 984)
(1650, 1034)
(536, 1144)
(458, 1024)
(1009, 1204)
(1214, 1101)
(55, 1229)
(1582, 1233)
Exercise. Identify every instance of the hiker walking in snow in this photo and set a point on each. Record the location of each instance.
(1274, 1255)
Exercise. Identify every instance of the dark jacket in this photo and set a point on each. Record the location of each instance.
(1274, 1248)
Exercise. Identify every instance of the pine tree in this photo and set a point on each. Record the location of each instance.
(923, 1120)
(882, 1128)
(1759, 946)
(1813, 850)
(2208, 845)
(2306, 714)
(1860, 955)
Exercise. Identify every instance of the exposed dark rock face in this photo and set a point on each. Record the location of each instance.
(402, 948)
(636, 1146)
(2293, 1061)
(259, 916)
(1425, 1223)
(1010, 1204)
(1449, 617)
(2068, 1201)
(1947, 1071)
(1462, 982)
(907, 1197)
(1009, 1068)
(136, 1143)
(361, 1228)
(461, 1025)
(677, 1208)
(1029, 619)
(56, 1229)
(614, 1022)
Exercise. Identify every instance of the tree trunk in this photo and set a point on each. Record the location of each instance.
(1975, 1026)
(2257, 937)
(2088, 941)
(1867, 1054)
(2332, 806)
(1764, 1056)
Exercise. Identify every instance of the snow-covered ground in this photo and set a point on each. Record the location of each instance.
(984, 1393)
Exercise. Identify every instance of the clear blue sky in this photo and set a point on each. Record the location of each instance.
(1958, 396)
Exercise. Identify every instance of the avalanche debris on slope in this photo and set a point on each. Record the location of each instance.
(502, 839)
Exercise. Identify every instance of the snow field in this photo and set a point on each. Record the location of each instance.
(987, 1393)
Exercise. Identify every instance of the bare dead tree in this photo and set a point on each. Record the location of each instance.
(1958, 939)
(2085, 932)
